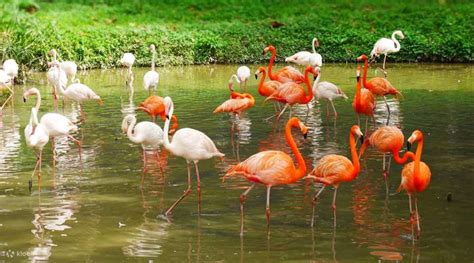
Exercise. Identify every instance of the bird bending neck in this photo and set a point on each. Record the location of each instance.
(270, 65)
(355, 157)
(301, 170)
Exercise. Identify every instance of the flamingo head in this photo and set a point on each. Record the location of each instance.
(295, 122)
(52, 52)
(358, 73)
(362, 57)
(399, 33)
(415, 136)
(293, 58)
(259, 71)
(315, 71)
(30, 92)
(270, 48)
(152, 48)
(168, 105)
(355, 130)
(126, 122)
(231, 85)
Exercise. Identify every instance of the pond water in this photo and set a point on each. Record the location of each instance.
(103, 213)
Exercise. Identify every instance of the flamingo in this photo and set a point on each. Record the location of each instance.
(416, 175)
(387, 139)
(291, 93)
(146, 133)
(271, 168)
(378, 86)
(286, 74)
(6, 82)
(336, 169)
(243, 74)
(238, 102)
(266, 88)
(151, 78)
(127, 60)
(364, 101)
(55, 124)
(329, 91)
(305, 58)
(77, 92)
(386, 46)
(69, 67)
(193, 146)
(36, 137)
(11, 68)
(154, 106)
(52, 75)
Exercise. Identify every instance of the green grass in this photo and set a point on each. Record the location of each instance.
(95, 33)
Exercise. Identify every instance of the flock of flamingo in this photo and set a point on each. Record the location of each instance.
(285, 88)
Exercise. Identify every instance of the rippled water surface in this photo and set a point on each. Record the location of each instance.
(102, 213)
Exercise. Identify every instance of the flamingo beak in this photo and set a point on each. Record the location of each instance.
(305, 135)
(361, 139)
(256, 76)
(167, 116)
(408, 146)
(100, 102)
(24, 99)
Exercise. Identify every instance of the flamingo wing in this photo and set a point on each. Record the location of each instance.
(194, 145)
(333, 169)
(387, 138)
(233, 105)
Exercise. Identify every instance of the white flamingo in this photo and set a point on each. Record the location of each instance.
(77, 92)
(243, 75)
(329, 91)
(151, 78)
(127, 60)
(305, 58)
(55, 124)
(386, 46)
(190, 144)
(36, 137)
(5, 82)
(55, 75)
(146, 133)
(11, 68)
(69, 67)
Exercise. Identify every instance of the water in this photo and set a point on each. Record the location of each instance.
(102, 214)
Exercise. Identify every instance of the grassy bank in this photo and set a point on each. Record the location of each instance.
(95, 33)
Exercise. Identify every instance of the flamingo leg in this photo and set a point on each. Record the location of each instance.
(315, 198)
(358, 121)
(79, 147)
(144, 163)
(334, 109)
(157, 153)
(417, 218)
(307, 109)
(411, 208)
(388, 108)
(198, 186)
(186, 193)
(278, 116)
(30, 182)
(334, 206)
(268, 211)
(366, 123)
(327, 110)
(383, 66)
(53, 149)
(243, 197)
(385, 176)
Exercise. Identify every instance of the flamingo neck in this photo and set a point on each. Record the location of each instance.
(174, 127)
(308, 97)
(153, 61)
(38, 100)
(270, 65)
(419, 150)
(395, 41)
(358, 95)
(315, 84)
(366, 67)
(34, 118)
(130, 135)
(166, 141)
(404, 158)
(314, 45)
(262, 80)
(60, 86)
(301, 170)
(355, 157)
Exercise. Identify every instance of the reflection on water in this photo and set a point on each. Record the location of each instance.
(109, 211)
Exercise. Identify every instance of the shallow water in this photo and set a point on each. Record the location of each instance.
(102, 213)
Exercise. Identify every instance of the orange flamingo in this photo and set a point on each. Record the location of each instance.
(378, 86)
(154, 106)
(238, 102)
(292, 93)
(335, 169)
(271, 168)
(416, 175)
(286, 74)
(266, 88)
(364, 102)
(387, 139)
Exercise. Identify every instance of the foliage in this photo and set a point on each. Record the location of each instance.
(95, 33)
